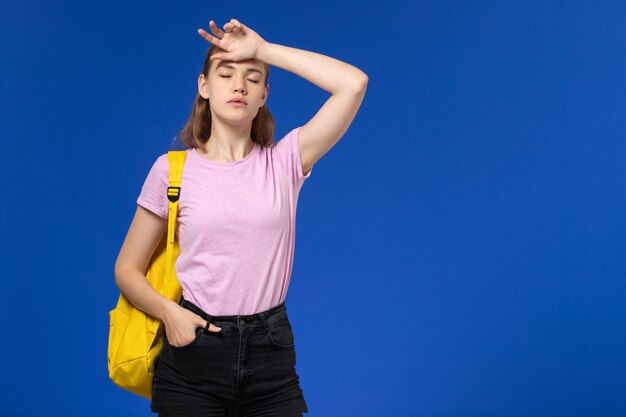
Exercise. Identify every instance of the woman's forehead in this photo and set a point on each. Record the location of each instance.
(251, 63)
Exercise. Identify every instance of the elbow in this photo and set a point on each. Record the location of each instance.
(363, 80)
(120, 272)
(357, 86)
(361, 84)
(117, 274)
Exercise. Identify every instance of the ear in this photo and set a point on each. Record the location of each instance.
(203, 87)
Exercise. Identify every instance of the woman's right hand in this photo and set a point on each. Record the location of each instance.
(181, 324)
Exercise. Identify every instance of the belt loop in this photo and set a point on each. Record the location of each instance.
(262, 316)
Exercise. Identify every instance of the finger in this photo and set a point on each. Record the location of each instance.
(205, 35)
(214, 328)
(216, 29)
(230, 27)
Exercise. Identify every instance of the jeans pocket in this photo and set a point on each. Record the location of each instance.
(199, 332)
(281, 334)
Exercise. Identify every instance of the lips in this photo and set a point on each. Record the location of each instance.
(238, 100)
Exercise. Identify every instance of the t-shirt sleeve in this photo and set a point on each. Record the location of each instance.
(289, 153)
(153, 195)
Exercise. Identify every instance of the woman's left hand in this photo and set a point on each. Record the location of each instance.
(238, 40)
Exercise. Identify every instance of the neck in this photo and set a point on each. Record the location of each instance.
(228, 143)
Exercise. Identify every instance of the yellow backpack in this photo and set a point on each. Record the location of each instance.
(136, 338)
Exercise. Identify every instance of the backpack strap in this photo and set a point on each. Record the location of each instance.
(176, 161)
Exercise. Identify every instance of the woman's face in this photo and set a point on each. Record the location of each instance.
(227, 80)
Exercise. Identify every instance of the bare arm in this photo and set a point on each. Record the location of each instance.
(345, 82)
(145, 233)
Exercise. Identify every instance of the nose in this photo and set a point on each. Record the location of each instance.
(239, 85)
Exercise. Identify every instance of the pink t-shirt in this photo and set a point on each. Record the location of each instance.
(236, 225)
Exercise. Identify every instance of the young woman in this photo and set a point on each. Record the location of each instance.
(229, 347)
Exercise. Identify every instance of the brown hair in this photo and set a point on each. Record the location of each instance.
(198, 128)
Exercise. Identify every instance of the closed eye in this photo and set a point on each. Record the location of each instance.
(228, 76)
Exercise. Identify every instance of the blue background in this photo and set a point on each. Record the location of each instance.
(460, 252)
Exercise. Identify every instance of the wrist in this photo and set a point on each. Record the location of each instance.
(261, 53)
(166, 310)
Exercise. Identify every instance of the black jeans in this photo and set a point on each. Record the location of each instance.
(248, 369)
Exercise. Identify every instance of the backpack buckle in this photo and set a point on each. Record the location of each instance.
(173, 193)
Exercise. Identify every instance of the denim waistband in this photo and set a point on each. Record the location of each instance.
(245, 321)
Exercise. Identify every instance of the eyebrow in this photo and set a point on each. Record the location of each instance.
(221, 64)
